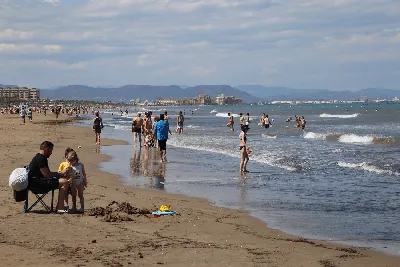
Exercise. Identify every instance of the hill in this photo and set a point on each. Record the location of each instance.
(144, 92)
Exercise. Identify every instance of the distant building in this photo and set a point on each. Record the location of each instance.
(205, 99)
(228, 100)
(21, 94)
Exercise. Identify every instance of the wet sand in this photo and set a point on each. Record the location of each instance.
(199, 235)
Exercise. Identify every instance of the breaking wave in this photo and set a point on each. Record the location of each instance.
(340, 116)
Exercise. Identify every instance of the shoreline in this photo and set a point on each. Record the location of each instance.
(200, 234)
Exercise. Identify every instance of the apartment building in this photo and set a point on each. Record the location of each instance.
(20, 94)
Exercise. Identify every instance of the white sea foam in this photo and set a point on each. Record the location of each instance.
(357, 139)
(269, 136)
(340, 116)
(192, 126)
(213, 111)
(367, 167)
(255, 156)
(226, 115)
(119, 126)
(312, 135)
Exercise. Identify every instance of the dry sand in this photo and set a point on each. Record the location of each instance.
(199, 235)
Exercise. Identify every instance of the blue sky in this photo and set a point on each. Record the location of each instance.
(333, 44)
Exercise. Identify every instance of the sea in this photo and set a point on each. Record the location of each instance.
(336, 180)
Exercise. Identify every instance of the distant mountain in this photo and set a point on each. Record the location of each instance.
(7, 85)
(283, 93)
(144, 92)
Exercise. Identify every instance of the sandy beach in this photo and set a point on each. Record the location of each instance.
(200, 234)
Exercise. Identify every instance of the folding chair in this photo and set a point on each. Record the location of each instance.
(40, 188)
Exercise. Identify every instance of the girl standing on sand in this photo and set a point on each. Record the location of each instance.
(78, 181)
(243, 147)
(97, 126)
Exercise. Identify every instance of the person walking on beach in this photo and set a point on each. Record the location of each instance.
(231, 122)
(161, 129)
(179, 120)
(243, 147)
(23, 114)
(30, 114)
(39, 174)
(97, 126)
(137, 125)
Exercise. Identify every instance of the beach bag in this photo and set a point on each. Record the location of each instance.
(20, 196)
(18, 180)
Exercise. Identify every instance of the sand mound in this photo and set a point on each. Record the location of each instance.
(117, 212)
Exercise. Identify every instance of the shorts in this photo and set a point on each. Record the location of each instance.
(77, 182)
(266, 126)
(162, 144)
(97, 130)
(180, 124)
(43, 185)
(137, 130)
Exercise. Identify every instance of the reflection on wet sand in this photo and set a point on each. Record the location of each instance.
(243, 187)
(149, 166)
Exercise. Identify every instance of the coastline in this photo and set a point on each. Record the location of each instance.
(200, 234)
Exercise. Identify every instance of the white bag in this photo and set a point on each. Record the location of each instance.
(19, 179)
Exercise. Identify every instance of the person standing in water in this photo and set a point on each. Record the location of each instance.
(243, 147)
(241, 119)
(161, 129)
(179, 120)
(231, 122)
(262, 120)
(267, 122)
(247, 119)
(303, 122)
(137, 125)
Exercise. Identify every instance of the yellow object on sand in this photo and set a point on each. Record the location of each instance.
(165, 208)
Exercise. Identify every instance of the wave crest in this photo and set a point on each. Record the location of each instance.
(340, 116)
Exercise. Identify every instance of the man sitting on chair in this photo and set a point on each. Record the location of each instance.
(39, 169)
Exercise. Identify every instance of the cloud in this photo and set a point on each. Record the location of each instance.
(10, 34)
(28, 48)
(52, 2)
(201, 41)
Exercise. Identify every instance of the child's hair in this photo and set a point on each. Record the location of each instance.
(67, 151)
(72, 156)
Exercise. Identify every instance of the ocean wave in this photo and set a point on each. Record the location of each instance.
(367, 167)
(226, 115)
(256, 157)
(269, 136)
(340, 116)
(357, 139)
(312, 135)
(119, 126)
(214, 111)
(192, 126)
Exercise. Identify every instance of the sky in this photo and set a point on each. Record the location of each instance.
(330, 44)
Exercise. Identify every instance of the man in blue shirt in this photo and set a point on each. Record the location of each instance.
(161, 129)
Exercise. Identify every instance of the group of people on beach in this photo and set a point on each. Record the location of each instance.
(155, 132)
(70, 178)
